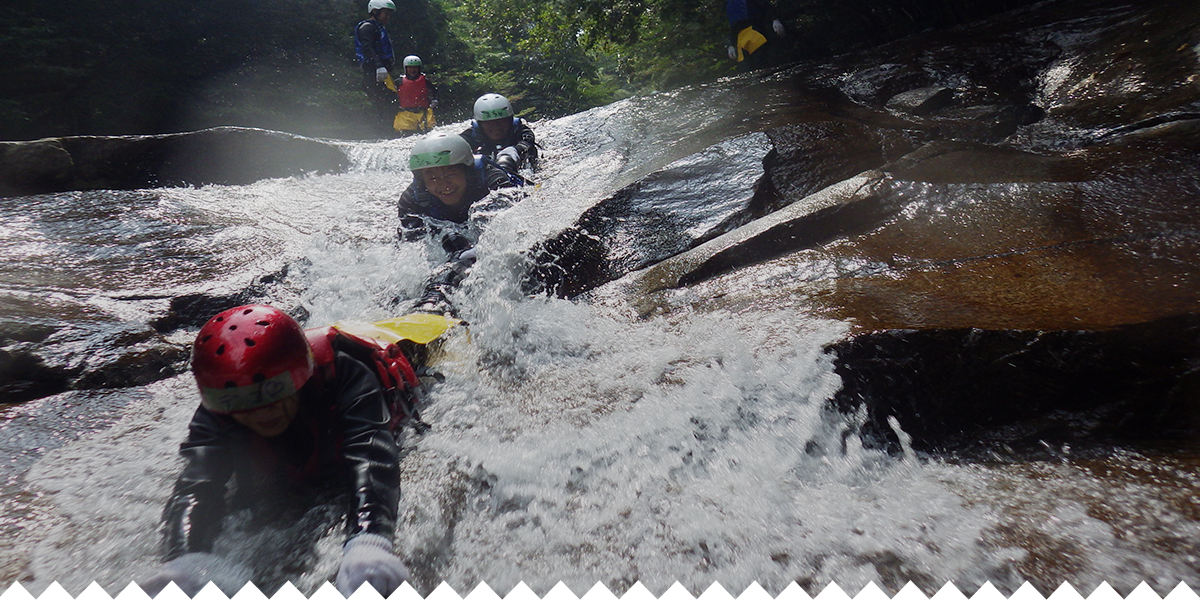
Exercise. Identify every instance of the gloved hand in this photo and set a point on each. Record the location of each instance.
(778, 27)
(381, 74)
(468, 255)
(195, 575)
(169, 583)
(508, 159)
(368, 558)
(433, 104)
(732, 53)
(454, 242)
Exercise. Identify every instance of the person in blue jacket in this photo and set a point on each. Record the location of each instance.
(750, 22)
(283, 421)
(498, 134)
(373, 48)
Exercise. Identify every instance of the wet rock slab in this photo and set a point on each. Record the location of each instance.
(73, 346)
(1018, 258)
(54, 344)
(222, 155)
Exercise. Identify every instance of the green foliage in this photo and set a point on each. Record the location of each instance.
(141, 66)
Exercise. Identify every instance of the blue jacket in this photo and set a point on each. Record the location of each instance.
(372, 46)
(748, 13)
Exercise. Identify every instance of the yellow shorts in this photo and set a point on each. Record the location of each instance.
(421, 120)
(749, 40)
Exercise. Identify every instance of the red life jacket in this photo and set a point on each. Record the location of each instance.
(391, 367)
(413, 93)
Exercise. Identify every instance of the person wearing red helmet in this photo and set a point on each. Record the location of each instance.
(275, 421)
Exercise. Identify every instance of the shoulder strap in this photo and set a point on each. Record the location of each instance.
(320, 339)
(388, 362)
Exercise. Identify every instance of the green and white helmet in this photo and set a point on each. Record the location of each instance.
(440, 150)
(412, 60)
(374, 5)
(490, 107)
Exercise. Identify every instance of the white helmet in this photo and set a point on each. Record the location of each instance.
(440, 150)
(412, 60)
(490, 107)
(374, 5)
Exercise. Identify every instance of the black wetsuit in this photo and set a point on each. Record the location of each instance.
(416, 202)
(520, 138)
(340, 441)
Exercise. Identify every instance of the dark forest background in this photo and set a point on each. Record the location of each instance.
(114, 67)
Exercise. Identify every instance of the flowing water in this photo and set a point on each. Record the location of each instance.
(570, 442)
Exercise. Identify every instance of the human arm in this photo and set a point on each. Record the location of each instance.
(764, 12)
(369, 36)
(192, 571)
(524, 143)
(371, 459)
(474, 141)
(497, 177)
(369, 452)
(738, 14)
(412, 213)
(192, 516)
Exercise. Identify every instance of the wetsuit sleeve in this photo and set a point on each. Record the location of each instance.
(738, 19)
(368, 35)
(496, 178)
(370, 454)
(412, 223)
(192, 517)
(469, 135)
(527, 144)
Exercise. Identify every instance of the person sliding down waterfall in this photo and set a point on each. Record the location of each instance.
(497, 134)
(289, 415)
(448, 178)
(417, 98)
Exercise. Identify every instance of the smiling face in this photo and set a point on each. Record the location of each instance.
(496, 129)
(270, 420)
(447, 184)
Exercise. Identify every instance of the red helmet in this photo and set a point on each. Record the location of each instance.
(248, 357)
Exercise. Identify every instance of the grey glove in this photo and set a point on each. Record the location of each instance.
(381, 74)
(192, 571)
(168, 583)
(732, 53)
(778, 27)
(368, 558)
(433, 104)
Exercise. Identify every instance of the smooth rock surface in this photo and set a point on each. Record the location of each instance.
(222, 155)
